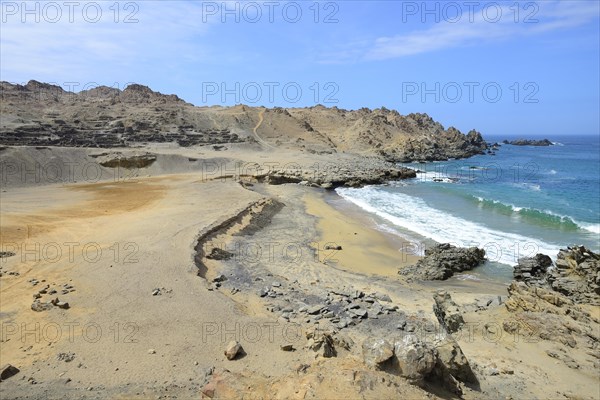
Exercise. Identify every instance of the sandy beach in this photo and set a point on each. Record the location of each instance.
(142, 323)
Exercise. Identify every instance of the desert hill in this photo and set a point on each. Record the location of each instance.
(43, 114)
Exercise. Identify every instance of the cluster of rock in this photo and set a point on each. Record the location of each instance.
(341, 308)
(577, 274)
(38, 305)
(553, 303)
(529, 142)
(444, 260)
(435, 357)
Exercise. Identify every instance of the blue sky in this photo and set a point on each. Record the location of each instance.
(504, 68)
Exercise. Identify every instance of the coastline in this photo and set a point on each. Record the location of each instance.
(365, 249)
(182, 330)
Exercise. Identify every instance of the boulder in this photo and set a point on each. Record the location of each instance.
(447, 312)
(233, 349)
(416, 359)
(7, 371)
(376, 351)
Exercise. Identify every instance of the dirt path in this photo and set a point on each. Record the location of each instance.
(260, 121)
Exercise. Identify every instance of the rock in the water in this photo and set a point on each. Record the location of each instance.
(529, 142)
(376, 351)
(7, 371)
(447, 312)
(444, 260)
(232, 350)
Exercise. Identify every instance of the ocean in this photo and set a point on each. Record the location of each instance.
(522, 201)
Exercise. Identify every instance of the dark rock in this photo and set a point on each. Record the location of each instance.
(529, 142)
(444, 260)
(7, 371)
(532, 268)
(219, 254)
(447, 312)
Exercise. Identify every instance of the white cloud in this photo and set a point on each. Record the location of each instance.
(551, 16)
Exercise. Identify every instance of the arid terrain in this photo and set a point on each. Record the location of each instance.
(141, 236)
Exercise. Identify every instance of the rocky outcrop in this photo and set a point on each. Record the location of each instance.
(552, 303)
(421, 358)
(576, 275)
(444, 260)
(346, 174)
(532, 270)
(447, 312)
(529, 142)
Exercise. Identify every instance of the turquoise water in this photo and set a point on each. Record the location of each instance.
(522, 201)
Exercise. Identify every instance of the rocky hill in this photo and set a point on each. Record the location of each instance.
(39, 114)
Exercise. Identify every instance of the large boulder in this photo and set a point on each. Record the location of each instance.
(377, 351)
(416, 359)
(444, 260)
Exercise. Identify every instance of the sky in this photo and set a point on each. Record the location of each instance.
(522, 68)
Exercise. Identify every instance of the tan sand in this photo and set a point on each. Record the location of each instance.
(147, 228)
(365, 249)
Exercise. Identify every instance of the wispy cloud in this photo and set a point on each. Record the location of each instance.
(472, 29)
